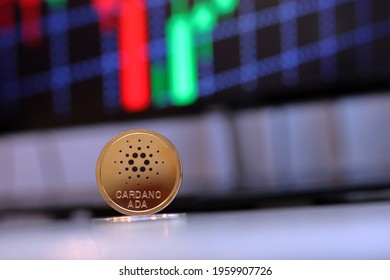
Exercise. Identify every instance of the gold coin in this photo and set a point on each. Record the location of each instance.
(139, 172)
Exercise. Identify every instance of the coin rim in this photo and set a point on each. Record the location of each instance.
(162, 205)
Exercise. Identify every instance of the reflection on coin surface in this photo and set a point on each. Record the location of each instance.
(138, 172)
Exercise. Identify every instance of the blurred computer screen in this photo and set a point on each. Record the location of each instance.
(94, 67)
(83, 61)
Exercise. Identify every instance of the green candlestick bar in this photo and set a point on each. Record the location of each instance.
(56, 4)
(184, 51)
(159, 88)
(182, 66)
(225, 6)
(204, 17)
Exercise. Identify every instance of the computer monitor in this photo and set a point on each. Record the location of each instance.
(88, 61)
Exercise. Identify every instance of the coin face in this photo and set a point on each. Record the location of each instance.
(139, 172)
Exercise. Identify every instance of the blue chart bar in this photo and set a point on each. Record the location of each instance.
(248, 44)
(9, 82)
(289, 59)
(110, 77)
(364, 53)
(59, 55)
(329, 45)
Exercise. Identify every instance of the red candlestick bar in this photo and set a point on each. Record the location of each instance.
(107, 11)
(134, 57)
(30, 11)
(6, 14)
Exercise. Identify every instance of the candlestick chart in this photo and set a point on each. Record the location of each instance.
(116, 57)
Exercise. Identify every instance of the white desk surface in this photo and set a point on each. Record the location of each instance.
(359, 231)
